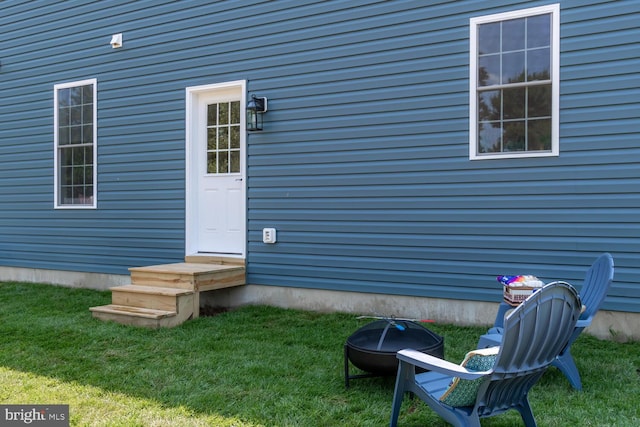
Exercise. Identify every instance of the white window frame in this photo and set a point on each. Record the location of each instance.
(56, 188)
(554, 11)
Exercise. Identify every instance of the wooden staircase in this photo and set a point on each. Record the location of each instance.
(169, 294)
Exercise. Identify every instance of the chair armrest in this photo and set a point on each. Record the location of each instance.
(583, 323)
(431, 363)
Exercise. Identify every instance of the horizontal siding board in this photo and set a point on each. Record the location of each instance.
(562, 191)
(363, 165)
(602, 85)
(312, 181)
(605, 54)
(90, 253)
(439, 146)
(598, 69)
(473, 229)
(613, 113)
(615, 14)
(487, 216)
(530, 206)
(518, 266)
(622, 99)
(416, 250)
(87, 228)
(90, 264)
(521, 258)
(417, 166)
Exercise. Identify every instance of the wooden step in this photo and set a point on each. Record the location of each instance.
(167, 295)
(160, 290)
(137, 316)
(213, 259)
(188, 275)
(153, 297)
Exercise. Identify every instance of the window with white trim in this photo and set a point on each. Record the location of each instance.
(75, 144)
(514, 84)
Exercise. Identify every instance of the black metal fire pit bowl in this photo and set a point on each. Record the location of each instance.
(373, 347)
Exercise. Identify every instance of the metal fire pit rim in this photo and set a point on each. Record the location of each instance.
(379, 362)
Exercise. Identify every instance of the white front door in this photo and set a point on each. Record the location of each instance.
(216, 170)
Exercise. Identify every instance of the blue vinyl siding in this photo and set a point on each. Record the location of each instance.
(363, 165)
(371, 188)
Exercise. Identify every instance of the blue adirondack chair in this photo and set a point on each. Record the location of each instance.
(534, 334)
(592, 293)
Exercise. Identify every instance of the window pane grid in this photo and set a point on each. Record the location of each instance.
(223, 138)
(513, 51)
(515, 119)
(513, 86)
(75, 145)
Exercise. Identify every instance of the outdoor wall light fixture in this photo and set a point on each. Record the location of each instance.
(256, 107)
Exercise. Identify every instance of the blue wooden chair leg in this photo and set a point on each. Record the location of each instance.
(398, 394)
(527, 414)
(568, 367)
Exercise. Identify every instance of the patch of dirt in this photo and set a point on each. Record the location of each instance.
(210, 311)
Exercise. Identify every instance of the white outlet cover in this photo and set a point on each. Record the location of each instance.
(268, 235)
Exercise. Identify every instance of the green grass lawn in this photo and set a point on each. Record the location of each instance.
(255, 366)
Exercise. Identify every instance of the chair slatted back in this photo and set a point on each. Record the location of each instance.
(596, 284)
(534, 334)
(538, 329)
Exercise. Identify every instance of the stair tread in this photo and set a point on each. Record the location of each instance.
(133, 311)
(187, 268)
(201, 258)
(153, 290)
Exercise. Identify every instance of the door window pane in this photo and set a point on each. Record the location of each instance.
(212, 162)
(212, 141)
(235, 112)
(223, 113)
(234, 137)
(223, 162)
(235, 162)
(212, 114)
(223, 138)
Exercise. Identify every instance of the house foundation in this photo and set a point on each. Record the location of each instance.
(608, 325)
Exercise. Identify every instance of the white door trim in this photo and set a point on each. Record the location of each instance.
(191, 103)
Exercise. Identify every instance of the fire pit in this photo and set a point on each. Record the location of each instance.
(373, 347)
